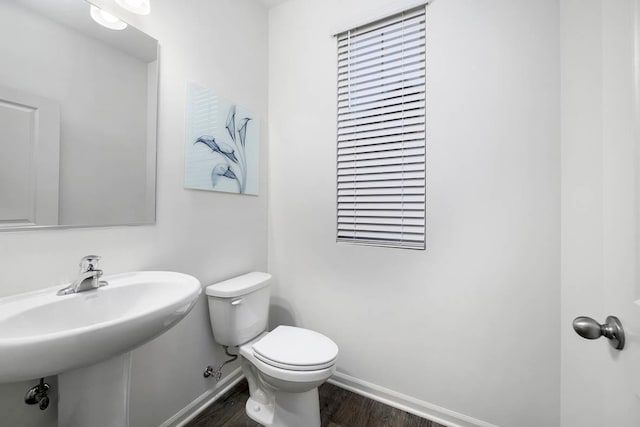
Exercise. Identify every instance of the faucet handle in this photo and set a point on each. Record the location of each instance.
(89, 263)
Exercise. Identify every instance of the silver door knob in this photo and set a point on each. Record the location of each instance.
(588, 328)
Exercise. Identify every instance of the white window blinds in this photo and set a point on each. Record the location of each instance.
(381, 132)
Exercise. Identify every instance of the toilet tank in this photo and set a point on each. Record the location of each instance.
(239, 308)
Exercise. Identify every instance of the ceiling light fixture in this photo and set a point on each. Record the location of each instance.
(106, 19)
(139, 7)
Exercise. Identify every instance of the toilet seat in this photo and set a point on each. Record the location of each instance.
(296, 349)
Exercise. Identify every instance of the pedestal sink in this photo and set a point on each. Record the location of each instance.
(86, 338)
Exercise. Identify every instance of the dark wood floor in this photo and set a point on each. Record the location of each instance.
(338, 408)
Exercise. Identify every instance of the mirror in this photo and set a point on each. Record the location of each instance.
(78, 111)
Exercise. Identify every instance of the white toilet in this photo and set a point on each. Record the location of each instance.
(284, 367)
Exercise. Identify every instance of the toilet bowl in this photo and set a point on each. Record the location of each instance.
(283, 367)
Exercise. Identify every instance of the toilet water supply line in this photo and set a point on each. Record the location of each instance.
(217, 374)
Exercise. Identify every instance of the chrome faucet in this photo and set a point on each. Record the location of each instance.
(89, 277)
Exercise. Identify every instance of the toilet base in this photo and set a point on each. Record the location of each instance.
(288, 410)
(259, 412)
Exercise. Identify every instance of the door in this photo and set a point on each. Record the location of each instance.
(29, 159)
(600, 386)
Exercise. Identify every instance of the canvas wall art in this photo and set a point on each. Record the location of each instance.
(222, 144)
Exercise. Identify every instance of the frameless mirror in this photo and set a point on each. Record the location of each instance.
(78, 110)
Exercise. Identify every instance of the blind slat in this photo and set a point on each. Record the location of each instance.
(382, 243)
(391, 146)
(387, 183)
(374, 106)
(377, 114)
(396, 206)
(386, 198)
(378, 213)
(401, 161)
(386, 228)
(406, 167)
(384, 191)
(380, 221)
(370, 135)
(381, 176)
(398, 237)
(390, 122)
(382, 154)
(381, 142)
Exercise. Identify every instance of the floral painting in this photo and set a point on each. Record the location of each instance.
(222, 144)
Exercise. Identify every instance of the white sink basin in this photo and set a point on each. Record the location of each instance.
(44, 334)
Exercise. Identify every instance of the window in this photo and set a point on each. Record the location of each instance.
(381, 132)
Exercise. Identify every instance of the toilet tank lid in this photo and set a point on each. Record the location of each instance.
(239, 286)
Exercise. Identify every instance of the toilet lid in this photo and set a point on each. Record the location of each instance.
(296, 349)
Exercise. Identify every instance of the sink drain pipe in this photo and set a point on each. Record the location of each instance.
(38, 395)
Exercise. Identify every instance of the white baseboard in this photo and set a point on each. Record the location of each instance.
(372, 391)
(194, 408)
(406, 403)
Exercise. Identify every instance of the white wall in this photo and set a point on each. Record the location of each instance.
(470, 324)
(223, 45)
(95, 86)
